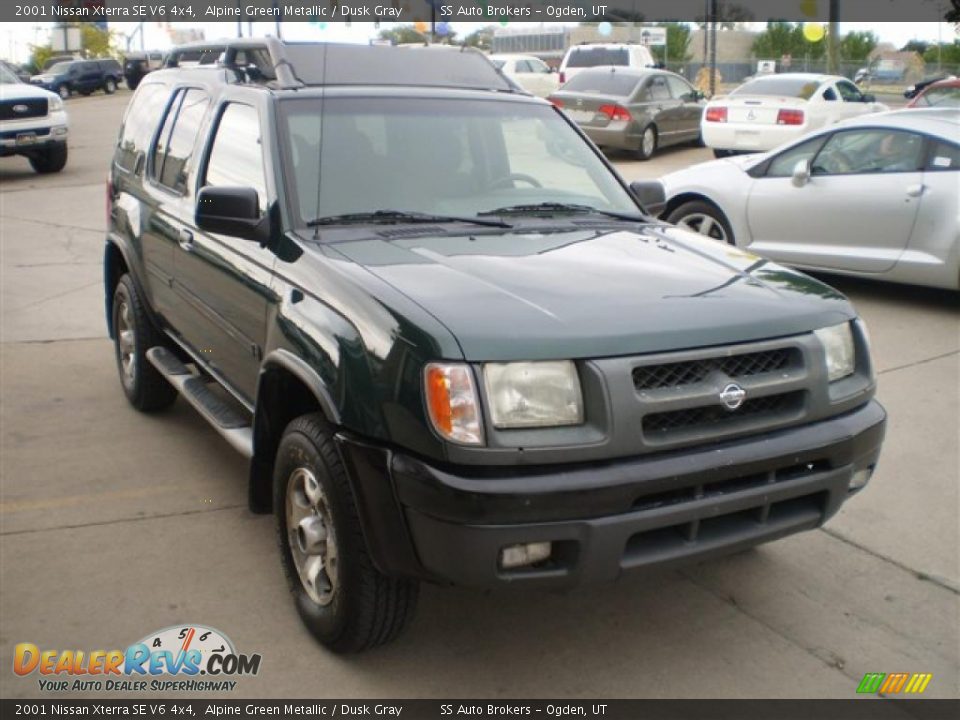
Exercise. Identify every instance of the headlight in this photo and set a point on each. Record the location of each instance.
(533, 394)
(452, 402)
(837, 344)
(55, 104)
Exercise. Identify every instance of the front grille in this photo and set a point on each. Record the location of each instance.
(31, 108)
(709, 417)
(676, 374)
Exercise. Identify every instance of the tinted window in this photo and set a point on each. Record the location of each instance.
(59, 68)
(140, 123)
(657, 89)
(947, 97)
(602, 83)
(523, 66)
(869, 151)
(829, 94)
(679, 88)
(171, 165)
(594, 56)
(538, 66)
(236, 158)
(944, 156)
(849, 92)
(783, 164)
(779, 86)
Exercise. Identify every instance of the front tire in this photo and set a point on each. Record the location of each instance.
(134, 334)
(648, 143)
(703, 218)
(345, 602)
(50, 160)
(64, 91)
(109, 86)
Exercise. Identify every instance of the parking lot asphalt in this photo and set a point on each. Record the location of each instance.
(114, 524)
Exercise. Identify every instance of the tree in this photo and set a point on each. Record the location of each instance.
(96, 43)
(481, 38)
(678, 41)
(917, 46)
(786, 38)
(857, 46)
(403, 34)
(947, 53)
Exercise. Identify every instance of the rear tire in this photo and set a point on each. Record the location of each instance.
(51, 160)
(717, 153)
(134, 334)
(648, 143)
(703, 218)
(345, 602)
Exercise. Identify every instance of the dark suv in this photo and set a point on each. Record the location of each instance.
(450, 340)
(80, 76)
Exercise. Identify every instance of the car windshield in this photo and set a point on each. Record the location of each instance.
(7, 77)
(946, 97)
(803, 88)
(57, 68)
(440, 157)
(602, 83)
(594, 56)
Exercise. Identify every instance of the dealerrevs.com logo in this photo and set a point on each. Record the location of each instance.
(172, 659)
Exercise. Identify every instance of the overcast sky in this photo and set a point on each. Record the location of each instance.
(15, 38)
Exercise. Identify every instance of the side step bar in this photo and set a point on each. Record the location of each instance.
(226, 420)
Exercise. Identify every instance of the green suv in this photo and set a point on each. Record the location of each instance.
(450, 339)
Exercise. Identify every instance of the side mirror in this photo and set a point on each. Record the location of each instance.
(801, 173)
(231, 211)
(651, 195)
(869, 98)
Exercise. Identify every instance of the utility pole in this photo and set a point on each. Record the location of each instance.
(833, 39)
(713, 47)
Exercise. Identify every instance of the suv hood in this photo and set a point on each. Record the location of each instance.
(596, 292)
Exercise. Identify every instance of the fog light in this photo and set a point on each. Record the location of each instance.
(860, 478)
(514, 556)
(60, 130)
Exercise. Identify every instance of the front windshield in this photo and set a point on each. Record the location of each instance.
(7, 77)
(442, 157)
(57, 68)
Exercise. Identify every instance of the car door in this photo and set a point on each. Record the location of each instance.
(89, 75)
(857, 210)
(226, 280)
(690, 108)
(853, 103)
(664, 108)
(539, 80)
(936, 235)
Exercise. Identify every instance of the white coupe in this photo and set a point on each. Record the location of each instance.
(773, 109)
(876, 196)
(529, 72)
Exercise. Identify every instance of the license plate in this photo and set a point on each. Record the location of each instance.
(26, 138)
(581, 116)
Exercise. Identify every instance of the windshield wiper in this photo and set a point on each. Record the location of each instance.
(557, 207)
(401, 216)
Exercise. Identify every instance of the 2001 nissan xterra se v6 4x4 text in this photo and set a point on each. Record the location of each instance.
(450, 340)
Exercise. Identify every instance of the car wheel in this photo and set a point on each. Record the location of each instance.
(132, 83)
(109, 86)
(50, 160)
(703, 218)
(648, 143)
(134, 334)
(64, 91)
(717, 153)
(345, 602)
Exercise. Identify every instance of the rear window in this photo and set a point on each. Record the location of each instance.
(594, 56)
(603, 83)
(781, 87)
(946, 97)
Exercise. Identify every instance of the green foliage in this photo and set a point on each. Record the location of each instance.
(917, 46)
(404, 34)
(947, 53)
(96, 43)
(786, 38)
(39, 54)
(857, 46)
(481, 38)
(678, 42)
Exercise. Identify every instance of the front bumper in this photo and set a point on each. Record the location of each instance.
(42, 131)
(421, 520)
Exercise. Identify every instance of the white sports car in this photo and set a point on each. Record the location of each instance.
(876, 196)
(773, 109)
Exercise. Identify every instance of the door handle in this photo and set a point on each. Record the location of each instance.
(916, 190)
(186, 240)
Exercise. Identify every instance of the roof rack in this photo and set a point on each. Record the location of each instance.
(290, 65)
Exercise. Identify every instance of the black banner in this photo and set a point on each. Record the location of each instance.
(863, 709)
(486, 11)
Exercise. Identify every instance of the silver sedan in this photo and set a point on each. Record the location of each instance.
(877, 196)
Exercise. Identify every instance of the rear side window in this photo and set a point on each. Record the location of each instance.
(944, 156)
(657, 89)
(236, 158)
(140, 124)
(779, 87)
(582, 57)
(945, 97)
(602, 83)
(171, 163)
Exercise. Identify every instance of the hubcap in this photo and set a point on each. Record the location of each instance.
(704, 225)
(64, 93)
(126, 345)
(310, 536)
(648, 141)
